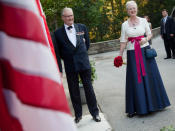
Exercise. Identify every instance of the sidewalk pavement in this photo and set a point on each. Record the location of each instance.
(87, 123)
(110, 92)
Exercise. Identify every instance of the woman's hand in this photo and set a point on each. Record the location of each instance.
(143, 41)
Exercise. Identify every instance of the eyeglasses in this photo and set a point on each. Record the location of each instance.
(68, 16)
(131, 8)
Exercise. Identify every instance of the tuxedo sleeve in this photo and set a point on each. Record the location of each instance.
(86, 36)
(161, 27)
(172, 25)
(57, 51)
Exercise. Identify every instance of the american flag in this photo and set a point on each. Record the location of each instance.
(32, 97)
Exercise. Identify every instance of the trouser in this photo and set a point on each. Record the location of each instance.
(169, 46)
(73, 85)
(173, 45)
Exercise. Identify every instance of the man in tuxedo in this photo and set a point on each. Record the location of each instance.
(72, 44)
(167, 34)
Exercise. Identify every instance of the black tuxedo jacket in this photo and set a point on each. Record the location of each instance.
(168, 26)
(75, 58)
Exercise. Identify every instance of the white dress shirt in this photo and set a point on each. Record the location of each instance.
(164, 19)
(164, 22)
(71, 34)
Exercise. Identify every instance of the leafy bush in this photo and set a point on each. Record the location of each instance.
(93, 73)
(168, 128)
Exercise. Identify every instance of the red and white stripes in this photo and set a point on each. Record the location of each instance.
(32, 97)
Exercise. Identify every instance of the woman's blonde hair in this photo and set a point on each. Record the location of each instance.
(131, 2)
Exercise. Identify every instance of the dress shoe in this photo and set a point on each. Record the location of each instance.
(97, 118)
(130, 115)
(167, 58)
(77, 119)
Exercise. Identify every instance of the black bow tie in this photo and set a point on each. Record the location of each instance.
(70, 27)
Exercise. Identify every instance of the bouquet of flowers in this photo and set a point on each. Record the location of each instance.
(118, 61)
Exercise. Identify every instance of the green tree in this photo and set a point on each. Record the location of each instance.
(52, 10)
(153, 9)
(88, 12)
(103, 17)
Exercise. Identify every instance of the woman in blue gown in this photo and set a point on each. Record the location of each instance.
(145, 90)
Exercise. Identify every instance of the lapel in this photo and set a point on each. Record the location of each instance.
(67, 41)
(162, 22)
(77, 36)
(167, 19)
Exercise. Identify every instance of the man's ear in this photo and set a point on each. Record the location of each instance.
(62, 18)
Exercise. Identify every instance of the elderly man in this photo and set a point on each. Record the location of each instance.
(72, 44)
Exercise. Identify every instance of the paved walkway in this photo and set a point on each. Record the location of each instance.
(110, 92)
(87, 124)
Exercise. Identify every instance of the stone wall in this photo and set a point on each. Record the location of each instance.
(104, 46)
(112, 45)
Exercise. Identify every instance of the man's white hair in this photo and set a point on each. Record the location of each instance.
(131, 2)
(66, 9)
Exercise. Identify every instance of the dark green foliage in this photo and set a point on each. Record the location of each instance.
(88, 12)
(103, 17)
(168, 128)
(93, 73)
(154, 10)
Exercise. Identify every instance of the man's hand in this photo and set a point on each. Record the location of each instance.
(61, 74)
(171, 35)
(84, 40)
(162, 36)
